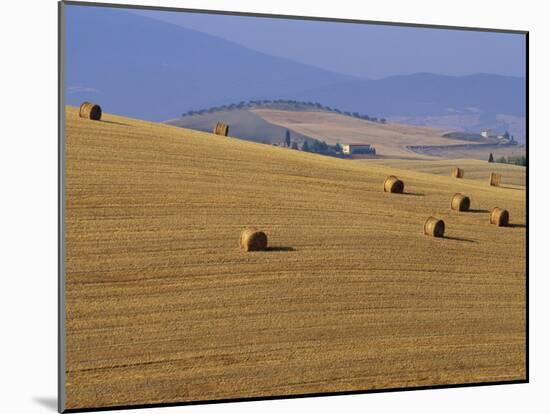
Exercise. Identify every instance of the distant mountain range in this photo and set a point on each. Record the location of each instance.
(148, 69)
(426, 94)
(143, 68)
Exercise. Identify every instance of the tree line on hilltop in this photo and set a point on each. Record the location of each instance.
(521, 160)
(285, 103)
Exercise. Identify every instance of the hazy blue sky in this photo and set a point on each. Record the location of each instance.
(365, 50)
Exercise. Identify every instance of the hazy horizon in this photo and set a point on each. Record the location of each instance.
(386, 50)
(156, 65)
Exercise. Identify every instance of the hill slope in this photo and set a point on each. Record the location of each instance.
(426, 94)
(468, 103)
(390, 140)
(512, 175)
(268, 124)
(243, 124)
(162, 306)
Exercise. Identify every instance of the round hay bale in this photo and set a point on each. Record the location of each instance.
(221, 129)
(500, 217)
(460, 202)
(90, 110)
(434, 227)
(253, 240)
(225, 130)
(393, 185)
(457, 172)
(495, 179)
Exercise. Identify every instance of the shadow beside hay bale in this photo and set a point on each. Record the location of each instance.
(459, 239)
(115, 123)
(478, 210)
(511, 188)
(280, 249)
(517, 225)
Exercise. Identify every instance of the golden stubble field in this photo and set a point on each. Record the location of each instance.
(390, 140)
(163, 307)
(513, 176)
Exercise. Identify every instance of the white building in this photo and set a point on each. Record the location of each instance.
(488, 133)
(357, 149)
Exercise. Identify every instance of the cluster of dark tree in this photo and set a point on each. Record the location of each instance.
(464, 136)
(321, 147)
(367, 151)
(316, 146)
(521, 160)
(282, 104)
(508, 137)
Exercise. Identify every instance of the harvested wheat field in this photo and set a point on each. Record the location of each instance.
(390, 140)
(513, 176)
(163, 306)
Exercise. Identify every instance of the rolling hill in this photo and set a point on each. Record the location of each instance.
(162, 306)
(243, 123)
(426, 93)
(512, 175)
(469, 103)
(268, 122)
(391, 140)
(470, 151)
